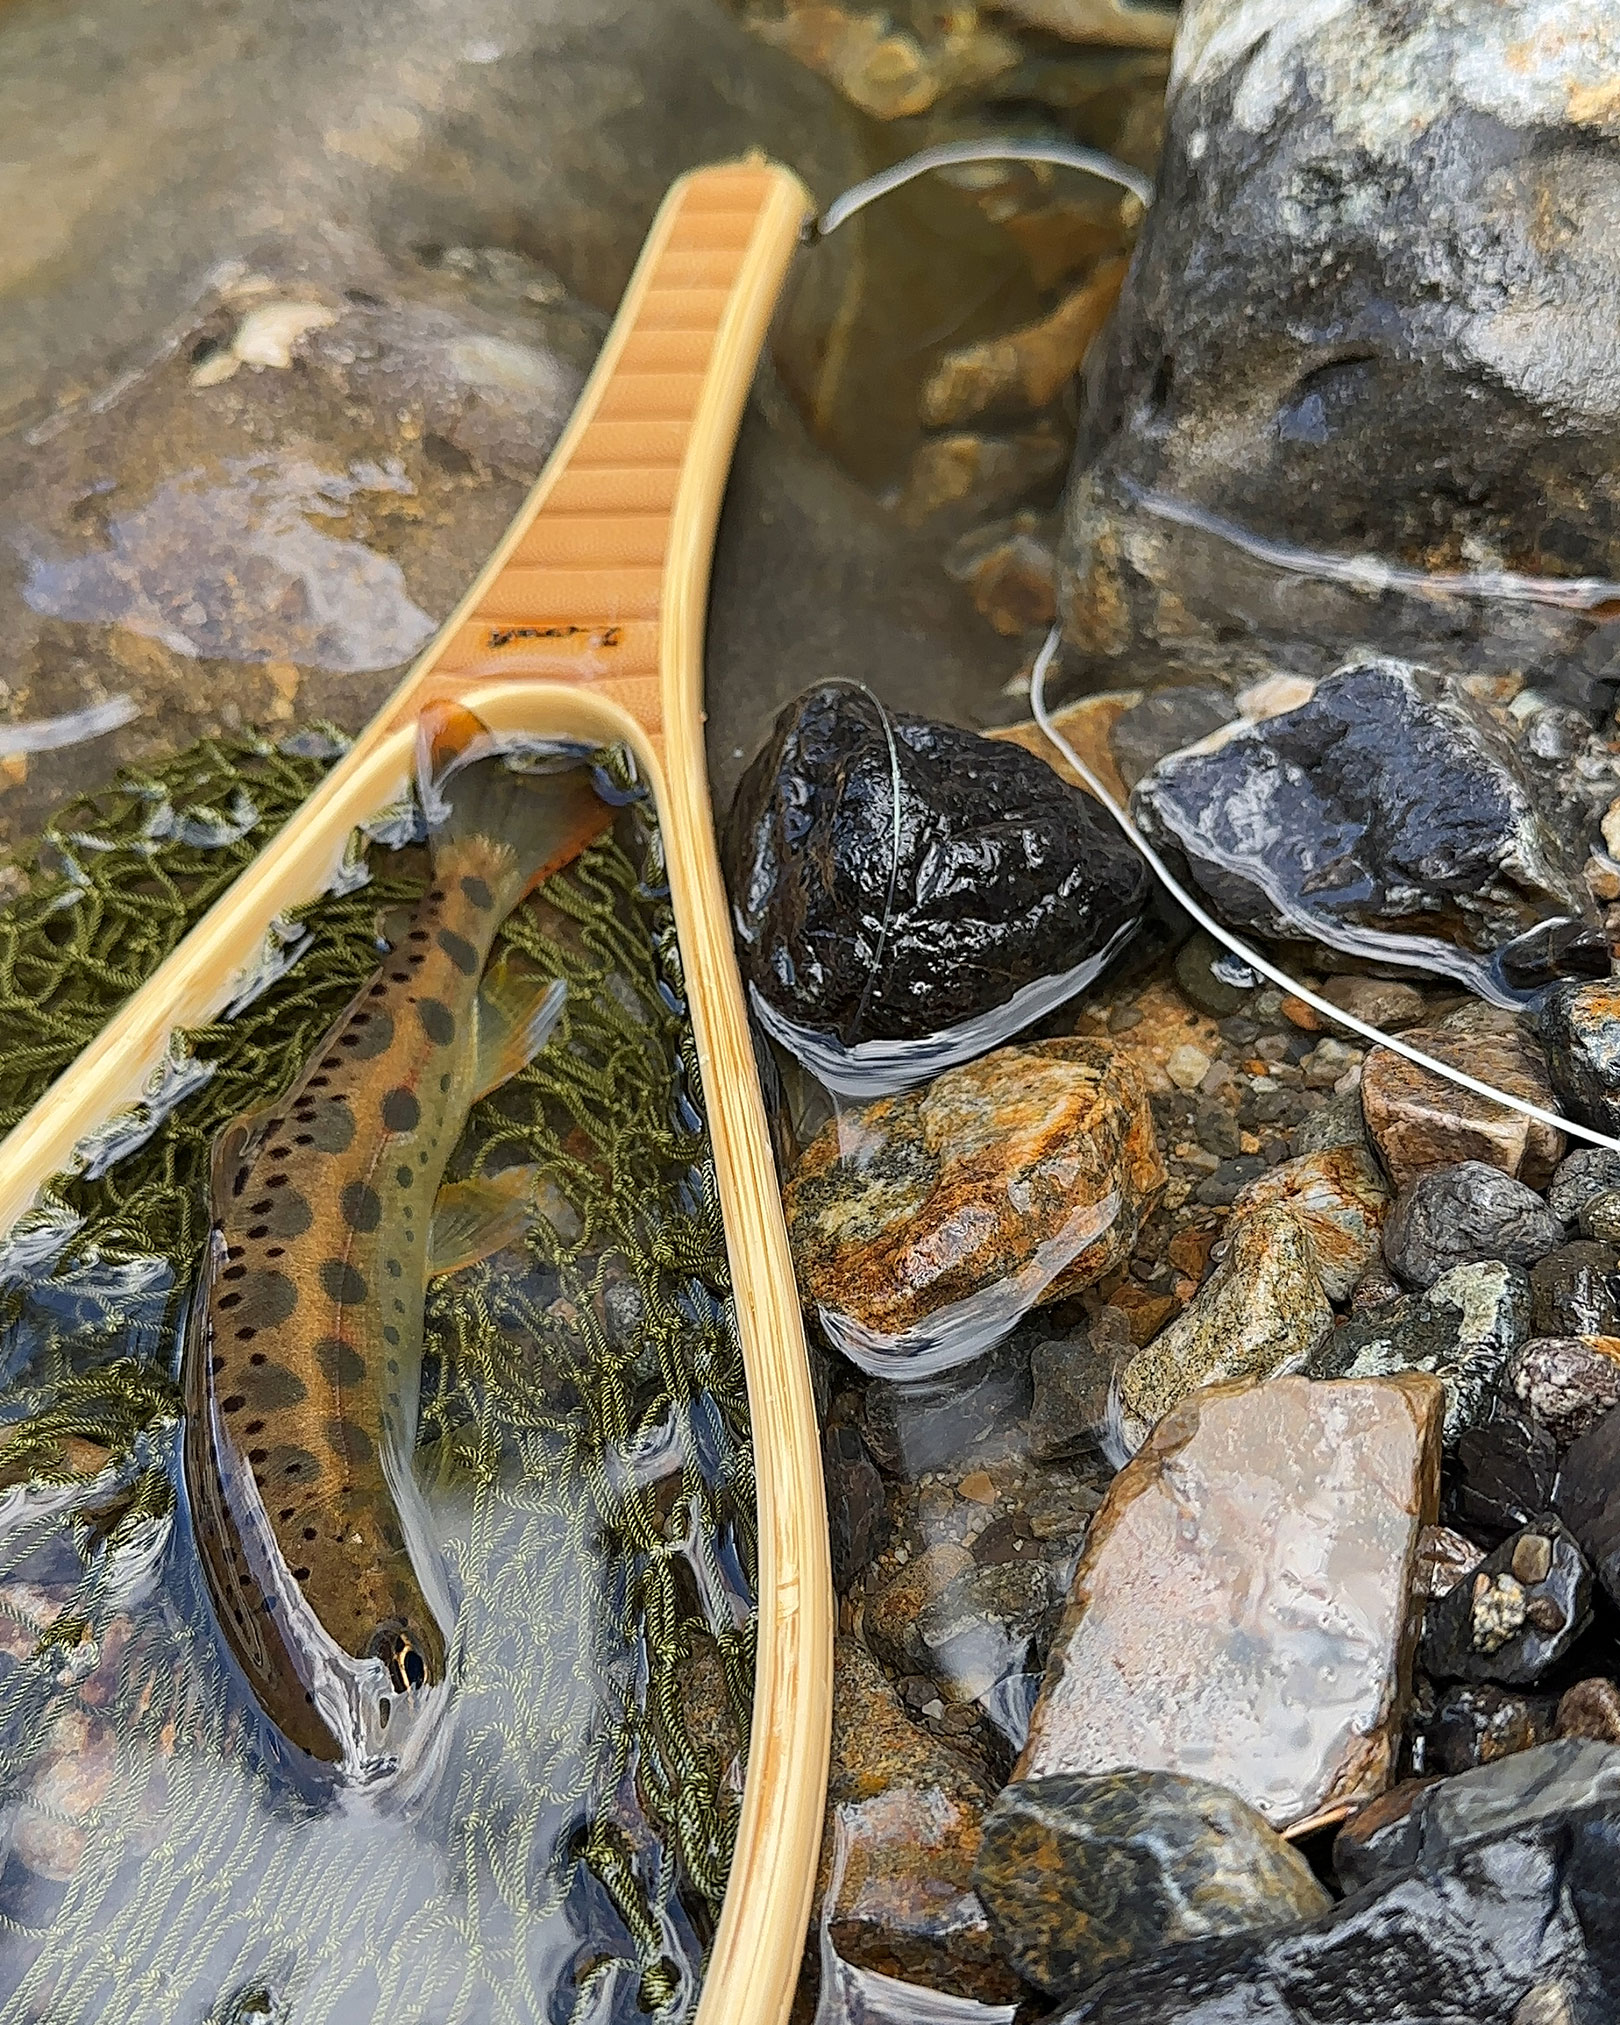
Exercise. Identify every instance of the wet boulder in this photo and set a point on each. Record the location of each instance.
(1386, 815)
(1462, 1215)
(1383, 248)
(1251, 1505)
(1339, 1199)
(925, 1225)
(1504, 1915)
(1506, 1470)
(1261, 1311)
(906, 894)
(1463, 1330)
(1083, 1874)
(1515, 1615)
(1567, 1382)
(1419, 1120)
(1580, 1027)
(1575, 1290)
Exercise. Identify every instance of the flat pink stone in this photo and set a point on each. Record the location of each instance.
(1246, 1609)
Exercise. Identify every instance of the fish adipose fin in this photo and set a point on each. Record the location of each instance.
(472, 1220)
(517, 1010)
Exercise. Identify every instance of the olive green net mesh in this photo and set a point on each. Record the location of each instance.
(583, 1441)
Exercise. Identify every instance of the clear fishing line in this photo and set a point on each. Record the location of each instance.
(955, 154)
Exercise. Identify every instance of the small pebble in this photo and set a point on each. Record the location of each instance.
(978, 1488)
(1187, 1066)
(1591, 1708)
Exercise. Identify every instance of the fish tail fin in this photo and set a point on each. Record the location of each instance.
(544, 817)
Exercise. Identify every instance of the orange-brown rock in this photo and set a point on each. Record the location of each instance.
(1244, 1610)
(909, 1812)
(1339, 1199)
(1418, 1120)
(951, 1209)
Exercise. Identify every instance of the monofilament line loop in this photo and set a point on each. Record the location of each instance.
(955, 154)
(1336, 1015)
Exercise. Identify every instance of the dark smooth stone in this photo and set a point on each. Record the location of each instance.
(1567, 1382)
(1453, 1216)
(1005, 873)
(1516, 1615)
(1575, 1291)
(1588, 1499)
(918, 1427)
(1506, 1471)
(1082, 1873)
(1204, 973)
(1402, 804)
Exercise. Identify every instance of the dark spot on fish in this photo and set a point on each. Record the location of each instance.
(275, 1251)
(234, 1404)
(310, 1533)
(417, 935)
(296, 1462)
(332, 1062)
(362, 1206)
(378, 990)
(371, 1034)
(459, 950)
(272, 1388)
(257, 1357)
(258, 1455)
(230, 1300)
(216, 1365)
(438, 1021)
(254, 1427)
(444, 1083)
(276, 1181)
(246, 1335)
(258, 1230)
(403, 1175)
(437, 895)
(400, 976)
(300, 1574)
(305, 1139)
(344, 1437)
(343, 1283)
(288, 1512)
(240, 1180)
(261, 1208)
(400, 1110)
(279, 1152)
(340, 1361)
(394, 1269)
(233, 1272)
(390, 1333)
(320, 1082)
(477, 891)
(393, 1367)
(334, 1127)
(272, 1299)
(233, 1251)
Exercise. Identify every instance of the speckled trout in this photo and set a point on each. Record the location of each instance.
(303, 1363)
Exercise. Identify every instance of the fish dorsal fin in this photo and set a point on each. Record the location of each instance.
(473, 1219)
(517, 1009)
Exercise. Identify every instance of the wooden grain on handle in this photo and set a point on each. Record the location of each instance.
(588, 623)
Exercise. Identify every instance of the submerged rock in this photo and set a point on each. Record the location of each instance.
(1411, 828)
(1567, 1382)
(1082, 1874)
(910, 1810)
(894, 880)
(1398, 222)
(1497, 1906)
(1339, 1199)
(1588, 1172)
(1588, 1499)
(1243, 1610)
(925, 1225)
(1591, 1709)
(1517, 1614)
(1459, 1216)
(1420, 1121)
(1463, 1330)
(1261, 1311)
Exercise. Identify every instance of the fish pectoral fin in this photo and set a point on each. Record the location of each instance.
(473, 1219)
(517, 1009)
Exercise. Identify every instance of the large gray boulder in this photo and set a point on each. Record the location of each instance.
(1369, 329)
